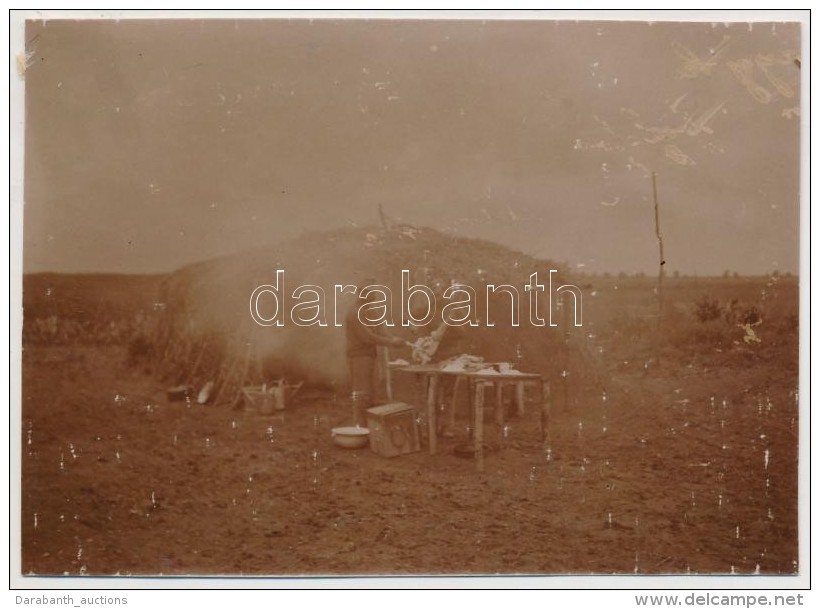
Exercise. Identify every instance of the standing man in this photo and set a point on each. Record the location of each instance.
(362, 341)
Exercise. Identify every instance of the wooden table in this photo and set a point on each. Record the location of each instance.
(497, 380)
(477, 381)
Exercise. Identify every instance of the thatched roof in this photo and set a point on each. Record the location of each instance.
(207, 328)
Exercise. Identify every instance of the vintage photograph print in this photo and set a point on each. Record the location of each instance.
(348, 296)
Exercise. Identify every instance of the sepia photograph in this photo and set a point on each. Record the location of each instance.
(353, 296)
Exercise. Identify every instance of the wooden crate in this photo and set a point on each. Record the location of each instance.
(393, 429)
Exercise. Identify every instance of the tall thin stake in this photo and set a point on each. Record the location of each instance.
(661, 261)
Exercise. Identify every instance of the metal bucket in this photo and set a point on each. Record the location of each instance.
(264, 399)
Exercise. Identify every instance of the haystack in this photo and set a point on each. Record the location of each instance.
(207, 332)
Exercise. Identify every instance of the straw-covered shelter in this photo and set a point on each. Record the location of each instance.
(207, 332)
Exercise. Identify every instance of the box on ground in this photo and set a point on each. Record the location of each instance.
(264, 399)
(393, 429)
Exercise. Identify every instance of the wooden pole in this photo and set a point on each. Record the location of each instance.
(661, 261)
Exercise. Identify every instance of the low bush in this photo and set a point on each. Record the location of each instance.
(707, 309)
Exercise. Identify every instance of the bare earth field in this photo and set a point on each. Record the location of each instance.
(682, 464)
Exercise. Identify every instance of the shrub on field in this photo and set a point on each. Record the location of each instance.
(751, 316)
(86, 329)
(707, 309)
(739, 314)
(717, 327)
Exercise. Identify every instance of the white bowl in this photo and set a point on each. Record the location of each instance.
(350, 437)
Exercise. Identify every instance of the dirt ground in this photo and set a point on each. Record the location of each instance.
(685, 466)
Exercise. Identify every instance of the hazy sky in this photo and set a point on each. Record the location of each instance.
(152, 144)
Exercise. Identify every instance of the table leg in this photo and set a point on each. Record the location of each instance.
(388, 379)
(448, 426)
(499, 403)
(519, 399)
(472, 387)
(432, 392)
(478, 426)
